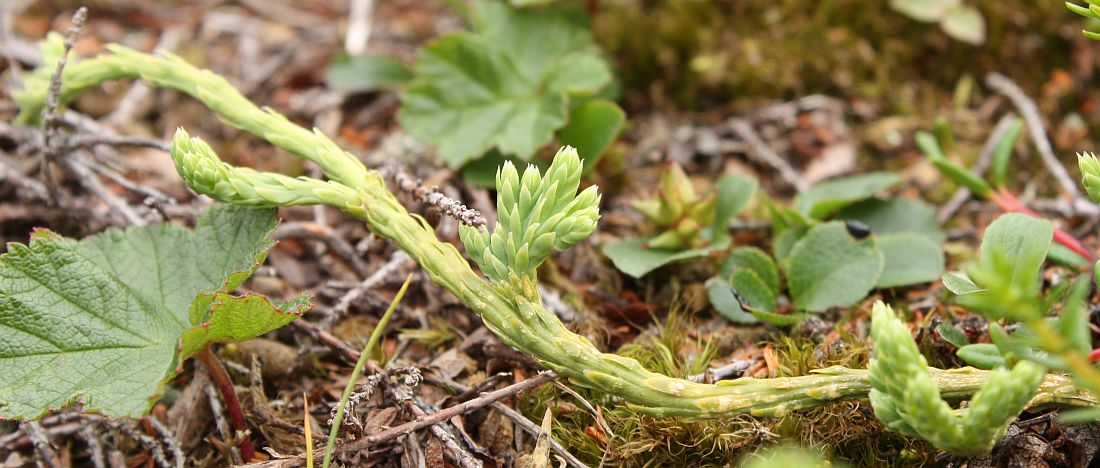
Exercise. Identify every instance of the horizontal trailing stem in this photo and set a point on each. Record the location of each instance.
(514, 311)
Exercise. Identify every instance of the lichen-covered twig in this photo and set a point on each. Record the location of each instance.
(432, 196)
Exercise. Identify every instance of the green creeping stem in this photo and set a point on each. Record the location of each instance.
(539, 214)
(906, 398)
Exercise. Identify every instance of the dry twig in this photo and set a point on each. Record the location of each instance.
(397, 263)
(1005, 86)
(762, 153)
(52, 120)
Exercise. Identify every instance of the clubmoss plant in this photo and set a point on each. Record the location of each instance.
(544, 214)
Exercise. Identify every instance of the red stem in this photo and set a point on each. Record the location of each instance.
(229, 396)
(1009, 203)
(1094, 355)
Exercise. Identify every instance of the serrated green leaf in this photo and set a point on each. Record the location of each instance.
(929, 11)
(232, 319)
(755, 260)
(823, 199)
(959, 285)
(632, 257)
(965, 23)
(504, 85)
(366, 73)
(895, 215)
(591, 129)
(100, 320)
(828, 268)
(910, 258)
(982, 355)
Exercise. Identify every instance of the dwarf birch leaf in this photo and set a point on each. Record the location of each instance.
(757, 261)
(100, 320)
(829, 268)
(632, 257)
(965, 23)
(721, 297)
(910, 258)
(824, 198)
(753, 290)
(895, 215)
(505, 85)
(959, 285)
(924, 10)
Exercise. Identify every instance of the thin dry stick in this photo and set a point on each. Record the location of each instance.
(6, 34)
(42, 445)
(404, 394)
(451, 411)
(432, 196)
(52, 121)
(327, 339)
(529, 427)
(763, 153)
(398, 262)
(127, 427)
(359, 16)
(1005, 86)
(90, 434)
(90, 181)
(980, 166)
(88, 140)
(339, 246)
(170, 440)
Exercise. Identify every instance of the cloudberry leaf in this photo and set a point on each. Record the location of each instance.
(100, 320)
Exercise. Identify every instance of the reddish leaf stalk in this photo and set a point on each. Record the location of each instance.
(1010, 204)
(229, 396)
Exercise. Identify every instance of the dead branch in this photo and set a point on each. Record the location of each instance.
(1005, 86)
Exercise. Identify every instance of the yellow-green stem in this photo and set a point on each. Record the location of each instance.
(512, 310)
(375, 336)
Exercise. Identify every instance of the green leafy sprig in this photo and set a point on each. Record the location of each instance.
(520, 320)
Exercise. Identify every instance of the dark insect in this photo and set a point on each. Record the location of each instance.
(857, 229)
(741, 301)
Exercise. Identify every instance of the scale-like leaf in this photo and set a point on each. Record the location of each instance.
(100, 320)
(504, 85)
